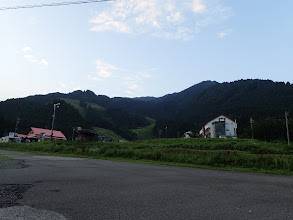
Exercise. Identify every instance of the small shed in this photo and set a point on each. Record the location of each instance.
(188, 134)
(12, 137)
(85, 134)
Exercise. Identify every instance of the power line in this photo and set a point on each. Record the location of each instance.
(53, 4)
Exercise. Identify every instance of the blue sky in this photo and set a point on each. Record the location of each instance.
(133, 48)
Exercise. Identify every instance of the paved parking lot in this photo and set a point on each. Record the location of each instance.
(75, 188)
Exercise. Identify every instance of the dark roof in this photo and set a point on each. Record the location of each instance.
(87, 131)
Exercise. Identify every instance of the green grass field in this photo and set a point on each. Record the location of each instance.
(109, 134)
(75, 104)
(146, 132)
(228, 154)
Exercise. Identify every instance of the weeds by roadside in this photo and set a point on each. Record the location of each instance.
(250, 155)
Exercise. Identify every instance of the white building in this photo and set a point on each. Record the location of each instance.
(4, 139)
(12, 137)
(188, 134)
(221, 126)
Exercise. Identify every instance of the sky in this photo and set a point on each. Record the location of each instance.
(135, 48)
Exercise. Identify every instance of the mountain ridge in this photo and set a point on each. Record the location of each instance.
(189, 108)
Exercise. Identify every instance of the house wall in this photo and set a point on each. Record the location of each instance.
(86, 137)
(230, 127)
(4, 139)
(31, 133)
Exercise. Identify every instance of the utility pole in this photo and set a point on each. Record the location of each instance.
(166, 128)
(286, 116)
(160, 132)
(138, 129)
(101, 137)
(16, 125)
(251, 122)
(73, 130)
(57, 105)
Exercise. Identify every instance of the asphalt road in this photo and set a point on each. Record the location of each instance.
(73, 188)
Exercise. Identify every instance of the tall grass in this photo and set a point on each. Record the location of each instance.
(216, 153)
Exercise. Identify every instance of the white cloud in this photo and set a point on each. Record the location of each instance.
(129, 79)
(67, 87)
(30, 58)
(198, 6)
(94, 78)
(44, 92)
(146, 75)
(112, 26)
(76, 88)
(44, 62)
(26, 49)
(171, 19)
(104, 69)
(104, 73)
(224, 33)
(63, 85)
(175, 17)
(131, 85)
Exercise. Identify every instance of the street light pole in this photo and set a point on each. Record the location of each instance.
(138, 134)
(286, 116)
(16, 125)
(57, 105)
(251, 122)
(73, 130)
(166, 132)
(160, 132)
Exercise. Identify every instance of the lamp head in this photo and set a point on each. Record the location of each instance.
(57, 105)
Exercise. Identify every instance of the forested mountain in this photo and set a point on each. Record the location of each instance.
(37, 111)
(263, 100)
(35, 114)
(242, 100)
(168, 106)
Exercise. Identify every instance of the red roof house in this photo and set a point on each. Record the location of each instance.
(39, 132)
(21, 135)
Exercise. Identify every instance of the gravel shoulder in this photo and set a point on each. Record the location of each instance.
(10, 193)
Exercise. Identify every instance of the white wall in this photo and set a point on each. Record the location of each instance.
(230, 126)
(4, 139)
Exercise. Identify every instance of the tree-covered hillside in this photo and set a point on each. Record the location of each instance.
(168, 106)
(37, 111)
(33, 114)
(242, 100)
(263, 100)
